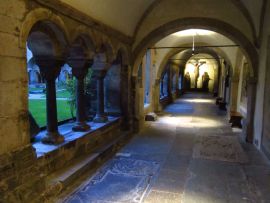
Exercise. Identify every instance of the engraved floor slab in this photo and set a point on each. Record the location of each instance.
(121, 180)
(219, 148)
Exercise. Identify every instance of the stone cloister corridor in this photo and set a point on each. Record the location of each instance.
(134, 101)
(189, 155)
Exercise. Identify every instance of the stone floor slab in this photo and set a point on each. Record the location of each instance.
(163, 197)
(190, 171)
(222, 148)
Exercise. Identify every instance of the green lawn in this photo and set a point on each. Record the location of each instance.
(61, 94)
(38, 110)
(35, 89)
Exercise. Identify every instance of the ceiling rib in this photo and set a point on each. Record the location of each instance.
(196, 47)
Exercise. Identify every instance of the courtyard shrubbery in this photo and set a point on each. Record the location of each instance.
(66, 100)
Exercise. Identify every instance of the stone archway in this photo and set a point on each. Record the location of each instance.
(215, 25)
(48, 44)
(37, 15)
(198, 23)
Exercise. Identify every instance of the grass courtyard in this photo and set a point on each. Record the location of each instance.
(38, 107)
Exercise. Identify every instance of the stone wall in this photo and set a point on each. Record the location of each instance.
(22, 174)
(24, 177)
(13, 80)
(20, 177)
(262, 104)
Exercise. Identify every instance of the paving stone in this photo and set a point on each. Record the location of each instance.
(217, 169)
(163, 197)
(170, 142)
(177, 162)
(222, 148)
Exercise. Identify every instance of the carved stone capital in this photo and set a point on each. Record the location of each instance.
(49, 66)
(79, 66)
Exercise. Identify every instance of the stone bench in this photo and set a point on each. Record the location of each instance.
(235, 119)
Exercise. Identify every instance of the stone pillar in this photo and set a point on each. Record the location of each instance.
(135, 112)
(156, 95)
(125, 88)
(223, 103)
(234, 92)
(162, 87)
(50, 68)
(100, 115)
(251, 100)
(169, 86)
(80, 70)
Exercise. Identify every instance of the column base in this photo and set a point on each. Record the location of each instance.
(53, 138)
(81, 127)
(100, 119)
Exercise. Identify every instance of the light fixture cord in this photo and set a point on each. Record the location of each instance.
(193, 44)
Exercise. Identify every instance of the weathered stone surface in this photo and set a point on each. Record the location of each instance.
(163, 197)
(13, 91)
(9, 25)
(219, 148)
(14, 8)
(13, 69)
(9, 46)
(9, 134)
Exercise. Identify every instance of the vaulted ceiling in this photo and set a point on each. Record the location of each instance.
(127, 15)
(201, 38)
(122, 15)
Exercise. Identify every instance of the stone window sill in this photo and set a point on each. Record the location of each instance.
(146, 105)
(66, 131)
(163, 98)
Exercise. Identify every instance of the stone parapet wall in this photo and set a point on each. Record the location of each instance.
(82, 146)
(23, 176)
(20, 178)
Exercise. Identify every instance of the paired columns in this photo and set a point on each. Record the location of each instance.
(100, 115)
(79, 70)
(50, 68)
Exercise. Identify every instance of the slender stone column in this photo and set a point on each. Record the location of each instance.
(162, 87)
(100, 115)
(156, 95)
(125, 88)
(80, 70)
(234, 92)
(50, 68)
(169, 87)
(251, 100)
